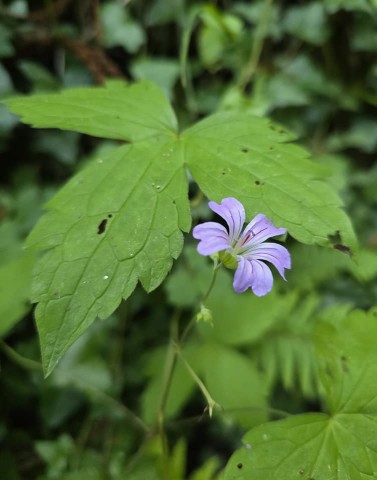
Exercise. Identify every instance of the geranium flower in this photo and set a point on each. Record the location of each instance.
(244, 250)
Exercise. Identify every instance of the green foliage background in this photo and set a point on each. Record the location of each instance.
(307, 347)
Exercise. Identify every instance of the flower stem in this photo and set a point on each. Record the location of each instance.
(210, 401)
(170, 363)
(175, 344)
(204, 298)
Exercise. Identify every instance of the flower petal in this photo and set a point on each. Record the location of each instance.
(258, 230)
(275, 254)
(243, 275)
(214, 238)
(262, 278)
(232, 211)
(212, 245)
(207, 229)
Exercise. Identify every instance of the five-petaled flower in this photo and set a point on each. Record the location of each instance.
(243, 250)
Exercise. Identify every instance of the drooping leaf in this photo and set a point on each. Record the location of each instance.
(339, 445)
(117, 221)
(239, 155)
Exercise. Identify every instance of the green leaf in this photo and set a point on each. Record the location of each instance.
(189, 280)
(308, 22)
(117, 111)
(162, 71)
(116, 222)
(350, 5)
(242, 319)
(233, 154)
(207, 470)
(341, 445)
(286, 352)
(362, 135)
(316, 266)
(233, 382)
(348, 362)
(120, 29)
(15, 281)
(181, 388)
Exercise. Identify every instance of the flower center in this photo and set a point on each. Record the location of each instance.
(241, 242)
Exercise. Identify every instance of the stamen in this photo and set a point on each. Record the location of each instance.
(249, 234)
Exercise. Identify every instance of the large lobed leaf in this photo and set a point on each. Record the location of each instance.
(121, 219)
(341, 445)
(239, 155)
(116, 222)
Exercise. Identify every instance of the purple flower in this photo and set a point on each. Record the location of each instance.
(244, 250)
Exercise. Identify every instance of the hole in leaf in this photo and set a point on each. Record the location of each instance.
(109, 215)
(342, 248)
(258, 182)
(244, 150)
(102, 226)
(239, 465)
(337, 242)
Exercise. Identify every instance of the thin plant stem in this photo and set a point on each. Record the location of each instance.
(256, 51)
(170, 363)
(204, 298)
(210, 401)
(175, 344)
(21, 361)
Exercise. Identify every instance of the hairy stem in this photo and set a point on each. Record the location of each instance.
(210, 401)
(204, 298)
(175, 344)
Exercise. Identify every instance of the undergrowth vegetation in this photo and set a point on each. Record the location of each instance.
(125, 354)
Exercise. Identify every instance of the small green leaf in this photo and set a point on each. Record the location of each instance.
(162, 71)
(117, 111)
(120, 29)
(239, 155)
(117, 221)
(308, 22)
